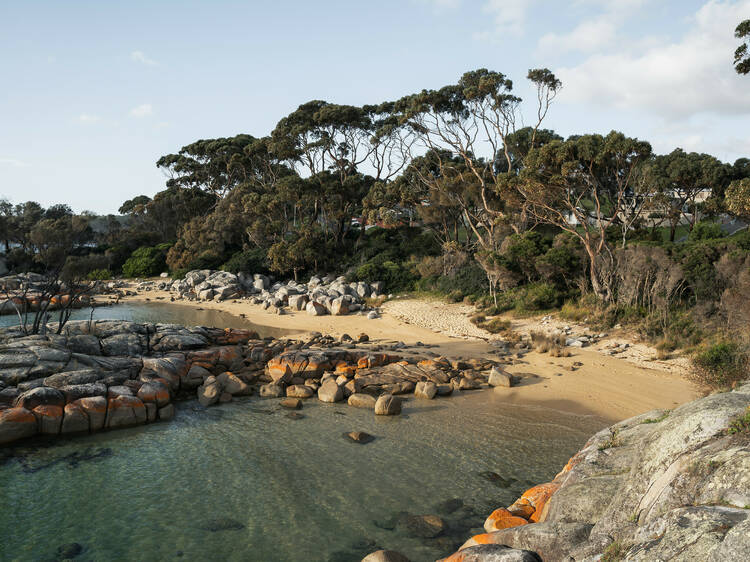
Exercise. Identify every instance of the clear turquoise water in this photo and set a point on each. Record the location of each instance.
(296, 488)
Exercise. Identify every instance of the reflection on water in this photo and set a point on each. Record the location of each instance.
(243, 481)
(165, 313)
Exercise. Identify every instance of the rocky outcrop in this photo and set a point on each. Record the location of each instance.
(112, 374)
(660, 486)
(108, 374)
(319, 296)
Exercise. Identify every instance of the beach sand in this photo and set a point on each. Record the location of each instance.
(609, 387)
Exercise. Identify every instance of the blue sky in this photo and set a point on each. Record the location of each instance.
(93, 93)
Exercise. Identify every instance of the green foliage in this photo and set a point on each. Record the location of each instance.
(249, 261)
(99, 275)
(396, 276)
(146, 261)
(741, 424)
(469, 280)
(720, 365)
(706, 230)
(661, 418)
(539, 296)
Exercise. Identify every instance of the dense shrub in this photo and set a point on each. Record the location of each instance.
(705, 230)
(146, 261)
(539, 296)
(396, 276)
(249, 261)
(99, 275)
(721, 364)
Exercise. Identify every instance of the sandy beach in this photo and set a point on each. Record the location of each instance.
(610, 387)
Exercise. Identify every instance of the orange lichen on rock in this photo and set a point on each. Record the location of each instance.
(521, 508)
(538, 496)
(344, 369)
(49, 419)
(503, 519)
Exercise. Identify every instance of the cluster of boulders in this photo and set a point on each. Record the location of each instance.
(319, 296)
(374, 380)
(661, 486)
(110, 374)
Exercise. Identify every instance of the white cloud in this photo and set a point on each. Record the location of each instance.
(140, 56)
(13, 163)
(143, 110)
(88, 118)
(509, 15)
(596, 32)
(587, 36)
(675, 80)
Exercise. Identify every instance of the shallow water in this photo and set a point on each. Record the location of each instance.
(165, 313)
(242, 481)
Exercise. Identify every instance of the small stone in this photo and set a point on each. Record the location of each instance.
(359, 437)
(291, 403)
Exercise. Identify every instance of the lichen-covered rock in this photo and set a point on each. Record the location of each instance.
(49, 419)
(40, 396)
(501, 518)
(660, 486)
(75, 419)
(125, 411)
(493, 553)
(16, 423)
(96, 410)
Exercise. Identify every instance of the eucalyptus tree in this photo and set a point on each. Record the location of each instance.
(742, 54)
(581, 185)
(682, 181)
(333, 147)
(212, 165)
(474, 120)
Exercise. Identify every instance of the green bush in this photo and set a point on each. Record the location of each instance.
(146, 262)
(470, 280)
(705, 230)
(396, 276)
(720, 365)
(249, 261)
(539, 296)
(99, 275)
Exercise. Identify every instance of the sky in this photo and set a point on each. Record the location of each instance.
(93, 93)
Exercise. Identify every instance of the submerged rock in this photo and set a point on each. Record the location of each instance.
(222, 524)
(68, 551)
(422, 526)
(359, 437)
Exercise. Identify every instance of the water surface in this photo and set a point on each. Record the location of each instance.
(165, 313)
(242, 481)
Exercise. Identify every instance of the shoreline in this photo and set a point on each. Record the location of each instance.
(605, 386)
